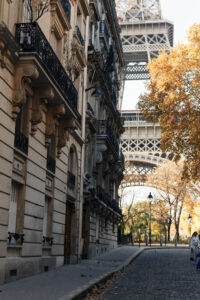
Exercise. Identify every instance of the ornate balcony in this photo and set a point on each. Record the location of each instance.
(67, 8)
(71, 180)
(112, 4)
(32, 40)
(103, 129)
(80, 37)
(15, 238)
(103, 31)
(107, 199)
(21, 142)
(47, 241)
(109, 84)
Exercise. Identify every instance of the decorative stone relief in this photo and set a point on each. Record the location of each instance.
(25, 73)
(4, 54)
(65, 51)
(78, 55)
(65, 125)
(41, 95)
(53, 114)
(100, 149)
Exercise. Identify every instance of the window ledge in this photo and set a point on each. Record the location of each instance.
(14, 246)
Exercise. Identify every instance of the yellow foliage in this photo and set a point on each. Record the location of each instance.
(173, 99)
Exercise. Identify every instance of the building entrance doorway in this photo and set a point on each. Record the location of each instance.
(70, 213)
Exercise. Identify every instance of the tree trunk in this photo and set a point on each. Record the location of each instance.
(177, 232)
(168, 230)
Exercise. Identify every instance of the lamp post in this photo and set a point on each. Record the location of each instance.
(150, 197)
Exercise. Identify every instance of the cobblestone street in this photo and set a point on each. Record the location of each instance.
(157, 275)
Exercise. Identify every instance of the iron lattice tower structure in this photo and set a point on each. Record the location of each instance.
(144, 35)
(140, 144)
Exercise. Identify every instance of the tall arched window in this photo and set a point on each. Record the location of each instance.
(72, 167)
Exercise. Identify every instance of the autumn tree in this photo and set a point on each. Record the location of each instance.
(173, 99)
(162, 213)
(125, 207)
(172, 192)
(36, 8)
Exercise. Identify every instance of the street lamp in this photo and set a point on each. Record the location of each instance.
(150, 197)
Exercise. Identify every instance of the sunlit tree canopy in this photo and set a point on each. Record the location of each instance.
(173, 99)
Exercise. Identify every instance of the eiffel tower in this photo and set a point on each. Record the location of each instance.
(144, 35)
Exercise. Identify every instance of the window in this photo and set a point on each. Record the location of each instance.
(97, 229)
(13, 236)
(46, 231)
(106, 224)
(13, 207)
(72, 169)
(71, 160)
(51, 154)
(56, 45)
(113, 227)
(45, 218)
(22, 128)
(26, 12)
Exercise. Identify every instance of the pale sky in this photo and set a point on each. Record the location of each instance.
(183, 13)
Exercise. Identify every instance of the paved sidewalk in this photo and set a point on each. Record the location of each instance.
(69, 281)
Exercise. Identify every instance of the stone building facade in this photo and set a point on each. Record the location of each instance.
(42, 84)
(103, 160)
(56, 146)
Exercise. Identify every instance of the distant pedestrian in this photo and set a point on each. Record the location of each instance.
(194, 246)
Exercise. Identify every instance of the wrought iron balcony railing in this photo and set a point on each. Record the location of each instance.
(103, 31)
(80, 37)
(109, 84)
(71, 179)
(15, 238)
(21, 142)
(51, 164)
(112, 4)
(47, 241)
(103, 128)
(107, 199)
(67, 8)
(32, 39)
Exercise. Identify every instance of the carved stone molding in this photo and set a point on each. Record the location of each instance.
(78, 55)
(59, 19)
(85, 7)
(94, 11)
(4, 55)
(54, 112)
(41, 95)
(24, 75)
(64, 127)
(100, 149)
